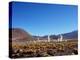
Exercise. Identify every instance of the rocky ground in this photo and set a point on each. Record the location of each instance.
(43, 49)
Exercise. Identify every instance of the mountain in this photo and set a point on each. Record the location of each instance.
(71, 35)
(19, 34)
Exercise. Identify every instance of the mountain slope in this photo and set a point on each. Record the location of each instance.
(71, 35)
(20, 35)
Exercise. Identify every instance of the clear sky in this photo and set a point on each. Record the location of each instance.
(43, 19)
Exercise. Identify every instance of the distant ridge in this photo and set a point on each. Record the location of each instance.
(69, 35)
(19, 34)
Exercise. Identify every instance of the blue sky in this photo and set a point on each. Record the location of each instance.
(44, 19)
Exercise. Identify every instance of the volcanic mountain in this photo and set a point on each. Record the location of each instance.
(69, 35)
(19, 34)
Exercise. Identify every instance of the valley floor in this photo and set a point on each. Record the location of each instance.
(43, 49)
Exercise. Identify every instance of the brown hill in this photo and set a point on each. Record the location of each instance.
(19, 34)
